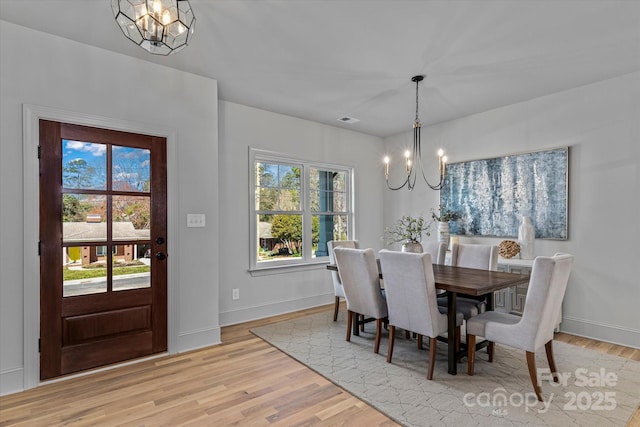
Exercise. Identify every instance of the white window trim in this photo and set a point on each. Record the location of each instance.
(306, 260)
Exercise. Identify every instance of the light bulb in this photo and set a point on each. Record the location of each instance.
(444, 159)
(157, 6)
(407, 154)
(386, 160)
(166, 17)
(440, 152)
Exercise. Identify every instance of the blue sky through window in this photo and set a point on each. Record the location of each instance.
(84, 166)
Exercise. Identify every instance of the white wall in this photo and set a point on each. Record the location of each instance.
(47, 71)
(601, 124)
(599, 121)
(242, 127)
(42, 70)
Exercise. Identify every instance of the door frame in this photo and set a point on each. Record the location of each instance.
(31, 115)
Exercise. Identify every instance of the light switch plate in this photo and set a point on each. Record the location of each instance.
(195, 220)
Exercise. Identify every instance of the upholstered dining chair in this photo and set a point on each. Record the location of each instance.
(411, 300)
(547, 286)
(437, 250)
(361, 282)
(482, 257)
(337, 283)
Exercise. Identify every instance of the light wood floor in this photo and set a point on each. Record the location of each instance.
(243, 382)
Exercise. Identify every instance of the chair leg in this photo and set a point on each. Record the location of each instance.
(376, 348)
(471, 353)
(531, 363)
(335, 309)
(419, 342)
(490, 350)
(432, 357)
(349, 323)
(392, 335)
(457, 338)
(552, 363)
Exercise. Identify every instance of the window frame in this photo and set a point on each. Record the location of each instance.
(307, 259)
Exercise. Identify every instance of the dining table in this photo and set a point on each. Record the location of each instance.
(466, 281)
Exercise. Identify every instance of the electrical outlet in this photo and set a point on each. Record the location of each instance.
(236, 293)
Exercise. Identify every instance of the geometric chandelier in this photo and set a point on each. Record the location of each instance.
(161, 27)
(413, 159)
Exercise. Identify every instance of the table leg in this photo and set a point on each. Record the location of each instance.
(451, 333)
(490, 297)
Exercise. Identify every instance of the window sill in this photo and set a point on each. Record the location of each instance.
(289, 268)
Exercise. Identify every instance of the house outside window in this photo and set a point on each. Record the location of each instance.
(102, 250)
(297, 207)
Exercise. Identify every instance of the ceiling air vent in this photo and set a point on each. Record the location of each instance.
(349, 120)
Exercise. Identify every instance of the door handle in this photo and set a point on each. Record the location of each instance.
(161, 256)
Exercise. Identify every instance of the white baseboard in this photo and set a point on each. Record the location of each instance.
(600, 331)
(193, 340)
(11, 381)
(246, 314)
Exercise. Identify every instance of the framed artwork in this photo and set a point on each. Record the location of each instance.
(491, 195)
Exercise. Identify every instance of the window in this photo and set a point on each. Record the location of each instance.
(298, 206)
(102, 250)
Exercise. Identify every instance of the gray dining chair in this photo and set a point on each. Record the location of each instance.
(483, 257)
(437, 250)
(335, 276)
(547, 286)
(361, 282)
(411, 300)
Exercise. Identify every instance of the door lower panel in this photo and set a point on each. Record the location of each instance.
(106, 351)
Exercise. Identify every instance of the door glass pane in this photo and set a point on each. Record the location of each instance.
(130, 270)
(84, 165)
(131, 218)
(132, 258)
(131, 171)
(84, 272)
(84, 218)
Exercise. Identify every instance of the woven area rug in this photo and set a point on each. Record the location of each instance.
(597, 389)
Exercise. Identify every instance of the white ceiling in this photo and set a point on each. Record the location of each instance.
(325, 59)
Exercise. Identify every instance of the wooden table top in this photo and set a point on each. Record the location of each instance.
(472, 281)
(469, 281)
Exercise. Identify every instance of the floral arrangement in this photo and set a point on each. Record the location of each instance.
(407, 230)
(446, 215)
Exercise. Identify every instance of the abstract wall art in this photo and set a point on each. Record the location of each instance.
(491, 195)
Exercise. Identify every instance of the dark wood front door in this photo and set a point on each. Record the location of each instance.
(103, 247)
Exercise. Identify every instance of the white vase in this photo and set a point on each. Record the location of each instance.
(412, 247)
(443, 232)
(526, 238)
